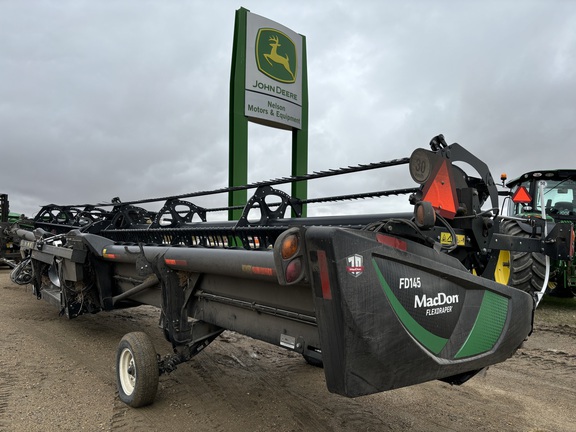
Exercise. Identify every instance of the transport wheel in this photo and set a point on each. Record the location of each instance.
(527, 269)
(136, 370)
(313, 361)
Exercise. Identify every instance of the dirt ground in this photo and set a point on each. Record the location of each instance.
(58, 375)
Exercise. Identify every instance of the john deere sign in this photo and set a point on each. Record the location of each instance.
(270, 62)
(273, 73)
(269, 86)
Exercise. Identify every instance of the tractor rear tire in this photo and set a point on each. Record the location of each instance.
(527, 269)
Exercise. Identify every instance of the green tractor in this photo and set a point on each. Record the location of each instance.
(550, 194)
(9, 245)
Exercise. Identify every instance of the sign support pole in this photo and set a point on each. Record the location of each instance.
(300, 140)
(238, 132)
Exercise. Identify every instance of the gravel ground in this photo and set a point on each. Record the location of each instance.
(58, 375)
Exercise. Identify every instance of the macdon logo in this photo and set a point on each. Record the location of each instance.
(440, 300)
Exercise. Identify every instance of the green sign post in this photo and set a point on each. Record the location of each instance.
(268, 86)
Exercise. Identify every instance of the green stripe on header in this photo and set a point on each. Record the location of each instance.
(429, 340)
(488, 326)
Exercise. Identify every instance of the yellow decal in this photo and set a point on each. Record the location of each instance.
(446, 239)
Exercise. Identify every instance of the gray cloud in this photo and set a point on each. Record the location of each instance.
(130, 98)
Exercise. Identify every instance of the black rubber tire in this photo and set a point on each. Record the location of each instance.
(312, 361)
(527, 269)
(137, 370)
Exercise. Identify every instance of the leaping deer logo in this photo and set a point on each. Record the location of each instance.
(276, 55)
(277, 58)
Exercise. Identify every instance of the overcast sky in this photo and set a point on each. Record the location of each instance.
(124, 98)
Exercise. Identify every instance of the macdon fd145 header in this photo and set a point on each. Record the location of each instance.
(381, 301)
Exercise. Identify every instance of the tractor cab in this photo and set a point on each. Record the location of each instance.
(559, 194)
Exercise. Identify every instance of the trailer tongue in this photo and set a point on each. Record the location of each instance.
(381, 301)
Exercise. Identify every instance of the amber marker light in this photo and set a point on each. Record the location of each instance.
(108, 255)
(424, 215)
(289, 246)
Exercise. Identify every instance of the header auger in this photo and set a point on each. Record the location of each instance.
(380, 300)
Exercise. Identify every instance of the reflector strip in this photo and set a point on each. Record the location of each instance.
(324, 276)
(521, 196)
(392, 241)
(175, 262)
(262, 271)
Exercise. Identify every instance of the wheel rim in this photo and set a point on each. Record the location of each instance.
(127, 371)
